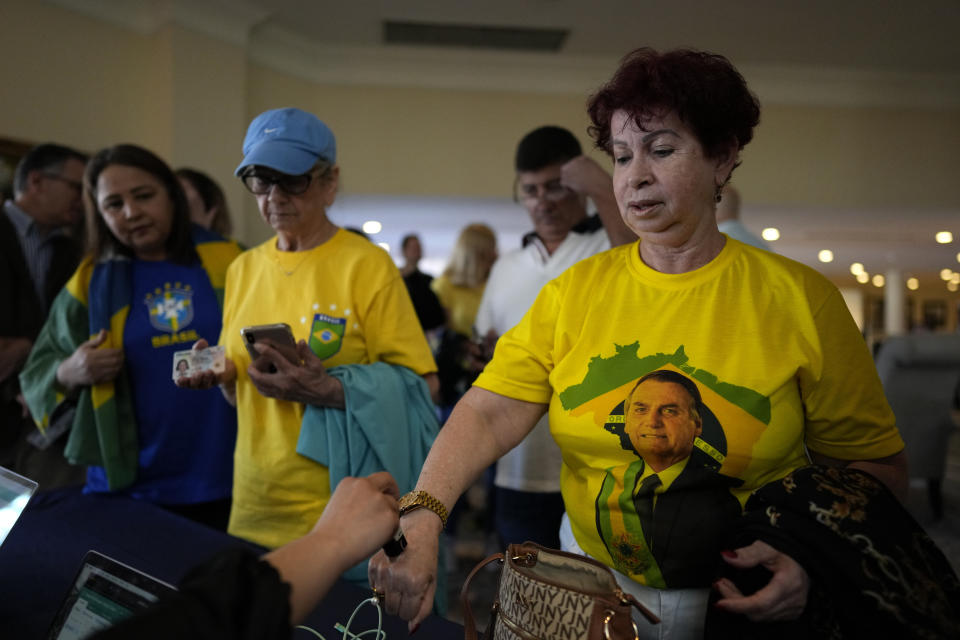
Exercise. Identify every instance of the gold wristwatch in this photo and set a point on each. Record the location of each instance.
(423, 500)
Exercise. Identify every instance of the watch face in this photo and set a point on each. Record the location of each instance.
(408, 500)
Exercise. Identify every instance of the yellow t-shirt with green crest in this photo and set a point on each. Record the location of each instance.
(347, 299)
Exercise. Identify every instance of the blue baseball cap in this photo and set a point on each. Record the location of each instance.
(287, 140)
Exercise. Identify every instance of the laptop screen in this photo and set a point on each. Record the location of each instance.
(104, 592)
(15, 492)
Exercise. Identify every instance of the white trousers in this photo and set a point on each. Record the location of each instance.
(681, 611)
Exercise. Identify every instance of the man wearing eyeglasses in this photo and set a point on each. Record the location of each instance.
(554, 183)
(38, 253)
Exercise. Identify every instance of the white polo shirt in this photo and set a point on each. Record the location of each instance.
(513, 285)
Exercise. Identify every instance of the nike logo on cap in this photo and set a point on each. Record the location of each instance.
(271, 130)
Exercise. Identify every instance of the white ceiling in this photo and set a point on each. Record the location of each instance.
(863, 52)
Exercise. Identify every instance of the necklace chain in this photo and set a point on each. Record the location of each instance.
(290, 272)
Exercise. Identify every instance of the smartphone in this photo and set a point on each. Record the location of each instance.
(279, 336)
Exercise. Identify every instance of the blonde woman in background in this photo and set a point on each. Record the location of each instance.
(460, 289)
(461, 285)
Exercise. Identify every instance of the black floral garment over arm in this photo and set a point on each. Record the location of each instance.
(874, 571)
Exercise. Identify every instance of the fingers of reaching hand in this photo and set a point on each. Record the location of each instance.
(407, 593)
(384, 482)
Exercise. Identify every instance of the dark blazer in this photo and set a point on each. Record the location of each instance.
(690, 520)
(21, 311)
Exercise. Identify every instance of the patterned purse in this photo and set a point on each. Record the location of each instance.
(546, 594)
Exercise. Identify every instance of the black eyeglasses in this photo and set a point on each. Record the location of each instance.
(73, 183)
(259, 183)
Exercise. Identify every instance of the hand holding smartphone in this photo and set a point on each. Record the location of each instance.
(278, 335)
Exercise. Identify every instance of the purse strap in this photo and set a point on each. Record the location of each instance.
(469, 624)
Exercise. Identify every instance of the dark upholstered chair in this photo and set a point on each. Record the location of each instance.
(920, 375)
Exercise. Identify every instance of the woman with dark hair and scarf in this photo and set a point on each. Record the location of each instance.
(151, 283)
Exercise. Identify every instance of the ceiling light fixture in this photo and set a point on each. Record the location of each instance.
(946, 274)
(913, 284)
(825, 255)
(879, 280)
(772, 234)
(857, 268)
(372, 226)
(944, 237)
(863, 278)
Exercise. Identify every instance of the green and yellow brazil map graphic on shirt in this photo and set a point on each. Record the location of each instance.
(685, 438)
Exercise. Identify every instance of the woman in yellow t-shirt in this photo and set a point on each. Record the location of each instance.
(681, 372)
(345, 302)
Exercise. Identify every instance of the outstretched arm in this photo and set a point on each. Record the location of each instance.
(482, 427)
(360, 517)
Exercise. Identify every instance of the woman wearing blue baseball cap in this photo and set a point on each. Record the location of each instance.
(346, 304)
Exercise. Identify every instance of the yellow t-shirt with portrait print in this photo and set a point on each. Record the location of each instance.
(769, 344)
(347, 299)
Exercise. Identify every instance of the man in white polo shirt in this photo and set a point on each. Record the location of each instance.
(554, 182)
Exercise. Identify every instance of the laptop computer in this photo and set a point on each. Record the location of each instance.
(104, 592)
(15, 492)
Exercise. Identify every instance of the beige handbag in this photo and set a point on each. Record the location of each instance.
(546, 594)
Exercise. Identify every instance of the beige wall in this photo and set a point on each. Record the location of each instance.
(421, 141)
(854, 158)
(71, 79)
(189, 97)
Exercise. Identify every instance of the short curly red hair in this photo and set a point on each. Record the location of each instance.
(707, 93)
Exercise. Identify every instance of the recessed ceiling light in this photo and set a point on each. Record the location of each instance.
(372, 226)
(863, 278)
(952, 286)
(946, 274)
(771, 234)
(913, 284)
(856, 268)
(878, 280)
(825, 255)
(944, 237)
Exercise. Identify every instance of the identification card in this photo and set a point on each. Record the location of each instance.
(187, 363)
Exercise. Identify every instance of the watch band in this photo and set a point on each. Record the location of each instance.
(419, 499)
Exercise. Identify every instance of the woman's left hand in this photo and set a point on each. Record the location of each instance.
(306, 382)
(783, 598)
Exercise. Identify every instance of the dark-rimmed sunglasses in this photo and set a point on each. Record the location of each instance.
(260, 182)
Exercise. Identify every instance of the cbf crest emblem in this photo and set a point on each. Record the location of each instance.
(326, 335)
(171, 308)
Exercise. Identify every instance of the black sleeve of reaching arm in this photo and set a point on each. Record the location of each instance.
(234, 596)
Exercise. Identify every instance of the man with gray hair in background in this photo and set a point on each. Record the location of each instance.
(39, 251)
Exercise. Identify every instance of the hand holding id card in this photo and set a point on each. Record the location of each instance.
(188, 363)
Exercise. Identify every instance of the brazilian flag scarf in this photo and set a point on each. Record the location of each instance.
(96, 297)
